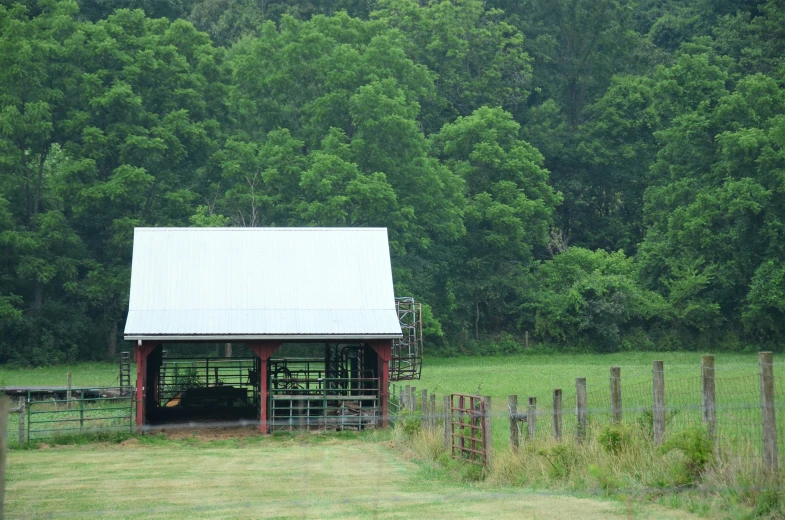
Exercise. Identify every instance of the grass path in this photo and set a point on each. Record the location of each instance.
(333, 478)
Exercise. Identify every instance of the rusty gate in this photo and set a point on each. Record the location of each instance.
(468, 419)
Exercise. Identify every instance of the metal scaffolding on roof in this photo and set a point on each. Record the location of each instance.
(406, 361)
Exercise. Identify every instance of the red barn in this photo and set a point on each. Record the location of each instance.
(261, 288)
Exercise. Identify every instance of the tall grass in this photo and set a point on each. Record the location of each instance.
(622, 462)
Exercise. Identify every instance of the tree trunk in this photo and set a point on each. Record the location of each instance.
(112, 341)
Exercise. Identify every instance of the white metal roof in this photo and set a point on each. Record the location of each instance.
(261, 283)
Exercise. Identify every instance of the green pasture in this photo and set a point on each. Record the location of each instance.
(737, 383)
(82, 375)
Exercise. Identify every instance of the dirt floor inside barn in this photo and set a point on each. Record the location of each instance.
(237, 474)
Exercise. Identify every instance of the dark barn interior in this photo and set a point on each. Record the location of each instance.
(338, 388)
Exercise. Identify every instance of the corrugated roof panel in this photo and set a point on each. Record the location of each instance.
(261, 282)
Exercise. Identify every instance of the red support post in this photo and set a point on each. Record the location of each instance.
(143, 349)
(265, 351)
(383, 349)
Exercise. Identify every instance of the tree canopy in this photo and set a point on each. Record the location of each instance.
(605, 175)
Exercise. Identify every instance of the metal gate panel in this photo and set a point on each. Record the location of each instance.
(406, 360)
(467, 423)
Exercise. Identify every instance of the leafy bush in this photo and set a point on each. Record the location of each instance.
(592, 298)
(186, 377)
(698, 448)
(645, 421)
(615, 438)
(409, 422)
(562, 458)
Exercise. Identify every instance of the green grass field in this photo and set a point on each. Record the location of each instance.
(82, 374)
(738, 394)
(538, 375)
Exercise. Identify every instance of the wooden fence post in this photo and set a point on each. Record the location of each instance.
(616, 410)
(433, 412)
(512, 403)
(424, 396)
(768, 411)
(68, 392)
(708, 401)
(413, 399)
(487, 432)
(580, 407)
(5, 407)
(531, 417)
(557, 414)
(21, 428)
(405, 397)
(658, 401)
(447, 424)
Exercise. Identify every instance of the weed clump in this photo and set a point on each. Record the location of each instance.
(697, 447)
(562, 458)
(615, 437)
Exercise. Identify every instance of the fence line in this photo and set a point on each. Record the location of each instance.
(737, 414)
(736, 410)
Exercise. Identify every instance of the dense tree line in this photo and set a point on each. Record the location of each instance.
(606, 174)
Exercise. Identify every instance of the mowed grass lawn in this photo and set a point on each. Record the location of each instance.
(253, 477)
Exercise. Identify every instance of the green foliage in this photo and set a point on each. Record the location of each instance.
(607, 175)
(186, 377)
(408, 422)
(592, 298)
(507, 213)
(645, 422)
(697, 446)
(615, 438)
(562, 458)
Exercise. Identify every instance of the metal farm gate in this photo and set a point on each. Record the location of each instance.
(470, 438)
(79, 410)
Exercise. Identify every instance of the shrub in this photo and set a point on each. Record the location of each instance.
(562, 458)
(591, 297)
(615, 438)
(645, 423)
(698, 448)
(409, 422)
